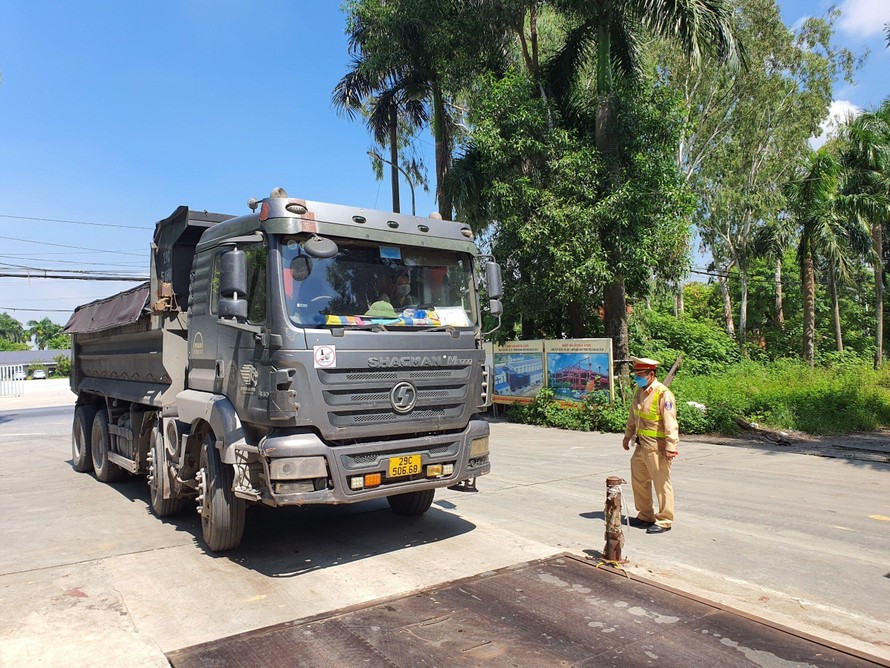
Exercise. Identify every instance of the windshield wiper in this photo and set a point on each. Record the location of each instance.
(338, 330)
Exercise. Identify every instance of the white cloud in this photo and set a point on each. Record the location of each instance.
(840, 112)
(864, 18)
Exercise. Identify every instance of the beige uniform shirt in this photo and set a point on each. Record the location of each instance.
(665, 422)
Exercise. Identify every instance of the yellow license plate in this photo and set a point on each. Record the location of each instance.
(399, 467)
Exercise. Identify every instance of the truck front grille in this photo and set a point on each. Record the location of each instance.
(361, 397)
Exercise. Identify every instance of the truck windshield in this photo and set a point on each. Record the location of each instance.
(371, 284)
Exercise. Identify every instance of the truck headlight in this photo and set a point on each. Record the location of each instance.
(479, 447)
(297, 468)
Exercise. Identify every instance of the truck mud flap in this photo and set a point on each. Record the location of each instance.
(558, 611)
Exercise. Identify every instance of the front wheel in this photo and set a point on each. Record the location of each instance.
(411, 503)
(222, 513)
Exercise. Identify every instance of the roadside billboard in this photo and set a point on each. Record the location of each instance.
(575, 369)
(518, 371)
(578, 369)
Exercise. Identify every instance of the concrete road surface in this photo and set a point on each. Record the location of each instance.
(88, 576)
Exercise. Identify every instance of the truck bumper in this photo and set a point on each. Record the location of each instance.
(465, 451)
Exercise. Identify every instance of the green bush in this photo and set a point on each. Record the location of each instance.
(706, 348)
(787, 394)
(692, 420)
(844, 396)
(63, 366)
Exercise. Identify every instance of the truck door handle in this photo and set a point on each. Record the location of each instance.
(220, 368)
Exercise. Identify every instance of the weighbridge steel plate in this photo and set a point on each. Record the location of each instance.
(561, 611)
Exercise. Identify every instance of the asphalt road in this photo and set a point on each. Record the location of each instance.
(88, 575)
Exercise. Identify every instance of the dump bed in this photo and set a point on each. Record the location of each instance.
(120, 350)
(133, 345)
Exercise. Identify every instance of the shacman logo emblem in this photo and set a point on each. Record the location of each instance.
(403, 397)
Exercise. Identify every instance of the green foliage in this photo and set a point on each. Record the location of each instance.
(11, 331)
(788, 394)
(8, 345)
(59, 342)
(545, 411)
(43, 331)
(63, 365)
(541, 178)
(844, 396)
(705, 347)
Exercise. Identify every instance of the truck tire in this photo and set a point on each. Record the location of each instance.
(157, 478)
(81, 430)
(100, 442)
(411, 503)
(222, 513)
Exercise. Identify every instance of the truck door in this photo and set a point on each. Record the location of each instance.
(217, 353)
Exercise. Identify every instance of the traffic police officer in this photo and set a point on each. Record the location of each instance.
(653, 423)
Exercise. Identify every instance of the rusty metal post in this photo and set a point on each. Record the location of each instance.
(614, 534)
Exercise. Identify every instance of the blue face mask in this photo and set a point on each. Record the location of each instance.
(641, 381)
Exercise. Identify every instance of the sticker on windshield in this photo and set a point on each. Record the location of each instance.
(325, 357)
(391, 252)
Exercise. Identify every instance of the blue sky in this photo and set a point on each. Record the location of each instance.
(116, 113)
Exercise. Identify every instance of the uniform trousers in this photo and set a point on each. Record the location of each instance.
(648, 468)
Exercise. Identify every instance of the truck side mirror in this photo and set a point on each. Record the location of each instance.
(495, 307)
(493, 284)
(233, 273)
(233, 285)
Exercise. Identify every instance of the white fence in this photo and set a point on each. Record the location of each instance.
(12, 380)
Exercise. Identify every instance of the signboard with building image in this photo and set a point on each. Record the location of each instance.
(518, 371)
(580, 369)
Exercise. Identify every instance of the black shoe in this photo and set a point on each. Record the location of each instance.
(657, 529)
(637, 522)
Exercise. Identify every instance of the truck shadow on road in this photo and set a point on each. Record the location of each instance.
(288, 542)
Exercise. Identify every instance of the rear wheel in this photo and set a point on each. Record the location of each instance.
(100, 442)
(411, 503)
(222, 513)
(81, 452)
(158, 478)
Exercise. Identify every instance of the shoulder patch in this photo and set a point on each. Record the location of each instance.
(668, 404)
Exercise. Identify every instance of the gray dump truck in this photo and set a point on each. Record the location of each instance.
(277, 358)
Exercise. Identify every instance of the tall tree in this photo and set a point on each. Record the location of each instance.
(746, 130)
(385, 101)
(410, 52)
(867, 160)
(539, 180)
(611, 33)
(813, 202)
(11, 329)
(43, 331)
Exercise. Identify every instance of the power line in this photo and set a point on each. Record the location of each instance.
(58, 271)
(68, 253)
(77, 277)
(77, 262)
(94, 250)
(38, 310)
(76, 222)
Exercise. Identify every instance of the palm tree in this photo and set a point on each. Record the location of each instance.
(11, 329)
(823, 232)
(384, 99)
(43, 331)
(770, 242)
(410, 55)
(613, 32)
(867, 193)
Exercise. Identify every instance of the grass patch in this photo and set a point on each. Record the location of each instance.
(833, 399)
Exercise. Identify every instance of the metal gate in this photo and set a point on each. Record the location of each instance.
(12, 380)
